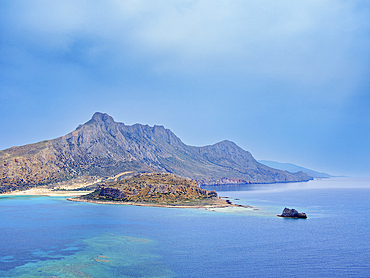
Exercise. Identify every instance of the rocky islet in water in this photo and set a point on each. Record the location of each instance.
(292, 213)
(159, 189)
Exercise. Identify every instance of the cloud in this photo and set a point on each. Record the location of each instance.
(314, 43)
(288, 67)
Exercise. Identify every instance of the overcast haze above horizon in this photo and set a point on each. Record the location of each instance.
(286, 80)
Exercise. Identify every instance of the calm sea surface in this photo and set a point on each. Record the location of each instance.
(52, 237)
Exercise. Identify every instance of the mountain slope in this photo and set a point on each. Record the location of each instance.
(294, 168)
(103, 148)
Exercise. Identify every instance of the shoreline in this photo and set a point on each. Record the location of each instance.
(45, 192)
(73, 197)
(221, 205)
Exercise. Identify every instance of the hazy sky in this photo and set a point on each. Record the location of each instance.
(286, 80)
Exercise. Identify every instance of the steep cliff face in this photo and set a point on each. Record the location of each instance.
(103, 147)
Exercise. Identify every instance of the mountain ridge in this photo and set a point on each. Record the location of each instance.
(102, 147)
(290, 167)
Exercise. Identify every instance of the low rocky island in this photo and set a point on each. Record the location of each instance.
(159, 189)
(292, 213)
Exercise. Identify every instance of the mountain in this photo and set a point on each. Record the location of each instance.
(102, 148)
(294, 168)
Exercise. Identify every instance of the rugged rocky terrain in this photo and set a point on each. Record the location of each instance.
(103, 148)
(158, 189)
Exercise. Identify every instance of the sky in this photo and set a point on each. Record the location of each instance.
(286, 80)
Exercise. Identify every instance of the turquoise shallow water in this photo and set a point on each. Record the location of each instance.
(52, 237)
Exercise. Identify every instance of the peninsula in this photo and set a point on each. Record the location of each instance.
(155, 189)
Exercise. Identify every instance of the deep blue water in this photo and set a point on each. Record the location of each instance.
(50, 236)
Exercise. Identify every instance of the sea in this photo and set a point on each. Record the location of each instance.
(54, 237)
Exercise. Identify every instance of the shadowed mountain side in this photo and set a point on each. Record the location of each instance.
(104, 148)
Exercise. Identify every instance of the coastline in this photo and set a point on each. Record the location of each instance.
(73, 196)
(45, 192)
(220, 204)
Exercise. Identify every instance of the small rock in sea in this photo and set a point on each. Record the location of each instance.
(292, 213)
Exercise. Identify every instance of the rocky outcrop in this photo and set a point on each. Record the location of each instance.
(112, 192)
(292, 213)
(103, 148)
(159, 189)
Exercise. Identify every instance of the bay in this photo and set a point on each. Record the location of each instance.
(50, 236)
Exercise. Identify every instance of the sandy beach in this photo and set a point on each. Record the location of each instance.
(47, 192)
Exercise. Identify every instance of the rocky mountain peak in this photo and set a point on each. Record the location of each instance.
(99, 123)
(102, 117)
(226, 143)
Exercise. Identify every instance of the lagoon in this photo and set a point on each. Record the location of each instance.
(50, 236)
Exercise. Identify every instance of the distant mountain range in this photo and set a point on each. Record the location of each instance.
(102, 149)
(294, 168)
